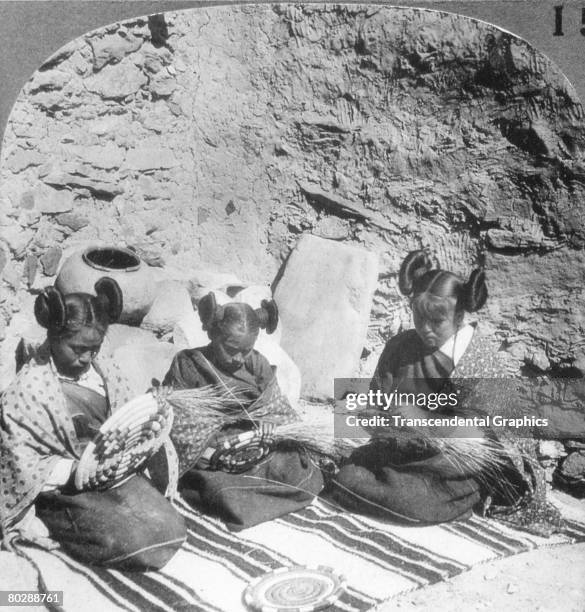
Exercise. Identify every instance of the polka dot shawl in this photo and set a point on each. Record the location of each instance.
(36, 430)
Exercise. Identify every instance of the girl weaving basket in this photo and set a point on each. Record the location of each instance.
(420, 479)
(49, 414)
(227, 462)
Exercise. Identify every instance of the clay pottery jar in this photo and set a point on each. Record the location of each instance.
(82, 269)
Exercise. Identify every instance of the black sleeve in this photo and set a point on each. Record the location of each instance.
(262, 370)
(183, 373)
(383, 379)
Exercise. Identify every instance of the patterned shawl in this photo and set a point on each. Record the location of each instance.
(36, 430)
(479, 393)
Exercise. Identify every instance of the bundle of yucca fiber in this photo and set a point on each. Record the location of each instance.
(483, 456)
(199, 413)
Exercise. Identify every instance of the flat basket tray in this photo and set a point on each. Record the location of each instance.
(124, 442)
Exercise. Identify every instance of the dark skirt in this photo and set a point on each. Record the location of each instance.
(283, 482)
(130, 527)
(404, 485)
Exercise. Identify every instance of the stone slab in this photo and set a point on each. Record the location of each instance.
(324, 298)
(171, 303)
(288, 373)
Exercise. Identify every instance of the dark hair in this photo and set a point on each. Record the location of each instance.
(429, 287)
(221, 320)
(62, 314)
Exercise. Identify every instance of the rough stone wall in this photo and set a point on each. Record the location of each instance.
(214, 138)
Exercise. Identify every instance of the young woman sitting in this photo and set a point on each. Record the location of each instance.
(49, 414)
(405, 476)
(265, 483)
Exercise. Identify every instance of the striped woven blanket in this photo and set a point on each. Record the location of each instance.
(379, 560)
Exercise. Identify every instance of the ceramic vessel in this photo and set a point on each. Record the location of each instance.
(81, 270)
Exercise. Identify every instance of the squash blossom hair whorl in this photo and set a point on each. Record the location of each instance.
(433, 290)
(221, 321)
(64, 315)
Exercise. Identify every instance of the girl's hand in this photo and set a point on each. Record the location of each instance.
(62, 477)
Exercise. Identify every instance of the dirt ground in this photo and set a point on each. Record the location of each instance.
(545, 580)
